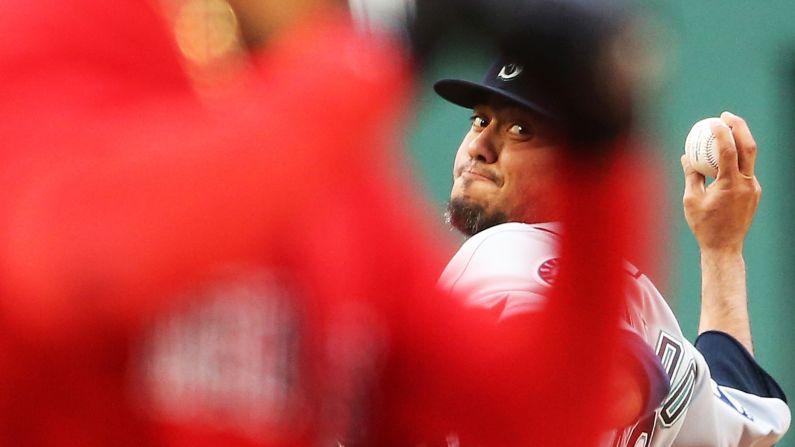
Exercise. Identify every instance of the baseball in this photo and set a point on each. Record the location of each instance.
(701, 147)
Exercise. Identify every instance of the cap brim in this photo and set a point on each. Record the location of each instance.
(470, 94)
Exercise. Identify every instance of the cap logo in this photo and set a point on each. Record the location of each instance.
(510, 71)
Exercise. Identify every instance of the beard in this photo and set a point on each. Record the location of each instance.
(471, 218)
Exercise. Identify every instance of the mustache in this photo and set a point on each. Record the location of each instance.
(478, 168)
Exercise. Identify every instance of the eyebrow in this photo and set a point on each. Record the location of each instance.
(512, 112)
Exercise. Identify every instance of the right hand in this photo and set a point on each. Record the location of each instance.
(719, 215)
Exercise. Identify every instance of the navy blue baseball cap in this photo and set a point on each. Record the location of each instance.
(508, 78)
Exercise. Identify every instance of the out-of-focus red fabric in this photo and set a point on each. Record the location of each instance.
(120, 191)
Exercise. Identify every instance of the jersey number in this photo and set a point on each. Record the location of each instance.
(671, 353)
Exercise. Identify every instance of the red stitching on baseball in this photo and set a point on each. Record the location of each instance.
(710, 158)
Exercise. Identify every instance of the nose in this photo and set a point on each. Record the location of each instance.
(483, 147)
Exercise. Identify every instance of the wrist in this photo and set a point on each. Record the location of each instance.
(722, 252)
(720, 264)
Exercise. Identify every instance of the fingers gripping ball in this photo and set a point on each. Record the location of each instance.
(701, 147)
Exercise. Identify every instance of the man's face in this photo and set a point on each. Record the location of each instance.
(505, 170)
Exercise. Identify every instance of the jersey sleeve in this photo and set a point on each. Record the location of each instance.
(511, 268)
(752, 406)
(732, 366)
(719, 396)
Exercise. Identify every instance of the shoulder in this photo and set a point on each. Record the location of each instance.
(507, 257)
(648, 312)
(505, 247)
(511, 239)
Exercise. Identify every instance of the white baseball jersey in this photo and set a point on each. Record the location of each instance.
(719, 396)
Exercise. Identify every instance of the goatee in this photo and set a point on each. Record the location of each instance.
(471, 218)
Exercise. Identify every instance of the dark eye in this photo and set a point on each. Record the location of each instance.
(478, 122)
(519, 130)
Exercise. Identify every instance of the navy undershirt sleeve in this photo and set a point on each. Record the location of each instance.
(731, 365)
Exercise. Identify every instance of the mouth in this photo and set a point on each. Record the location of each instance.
(476, 174)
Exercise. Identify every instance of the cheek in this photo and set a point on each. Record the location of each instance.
(533, 180)
(461, 156)
(533, 167)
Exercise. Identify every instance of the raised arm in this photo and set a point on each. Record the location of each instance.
(719, 215)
